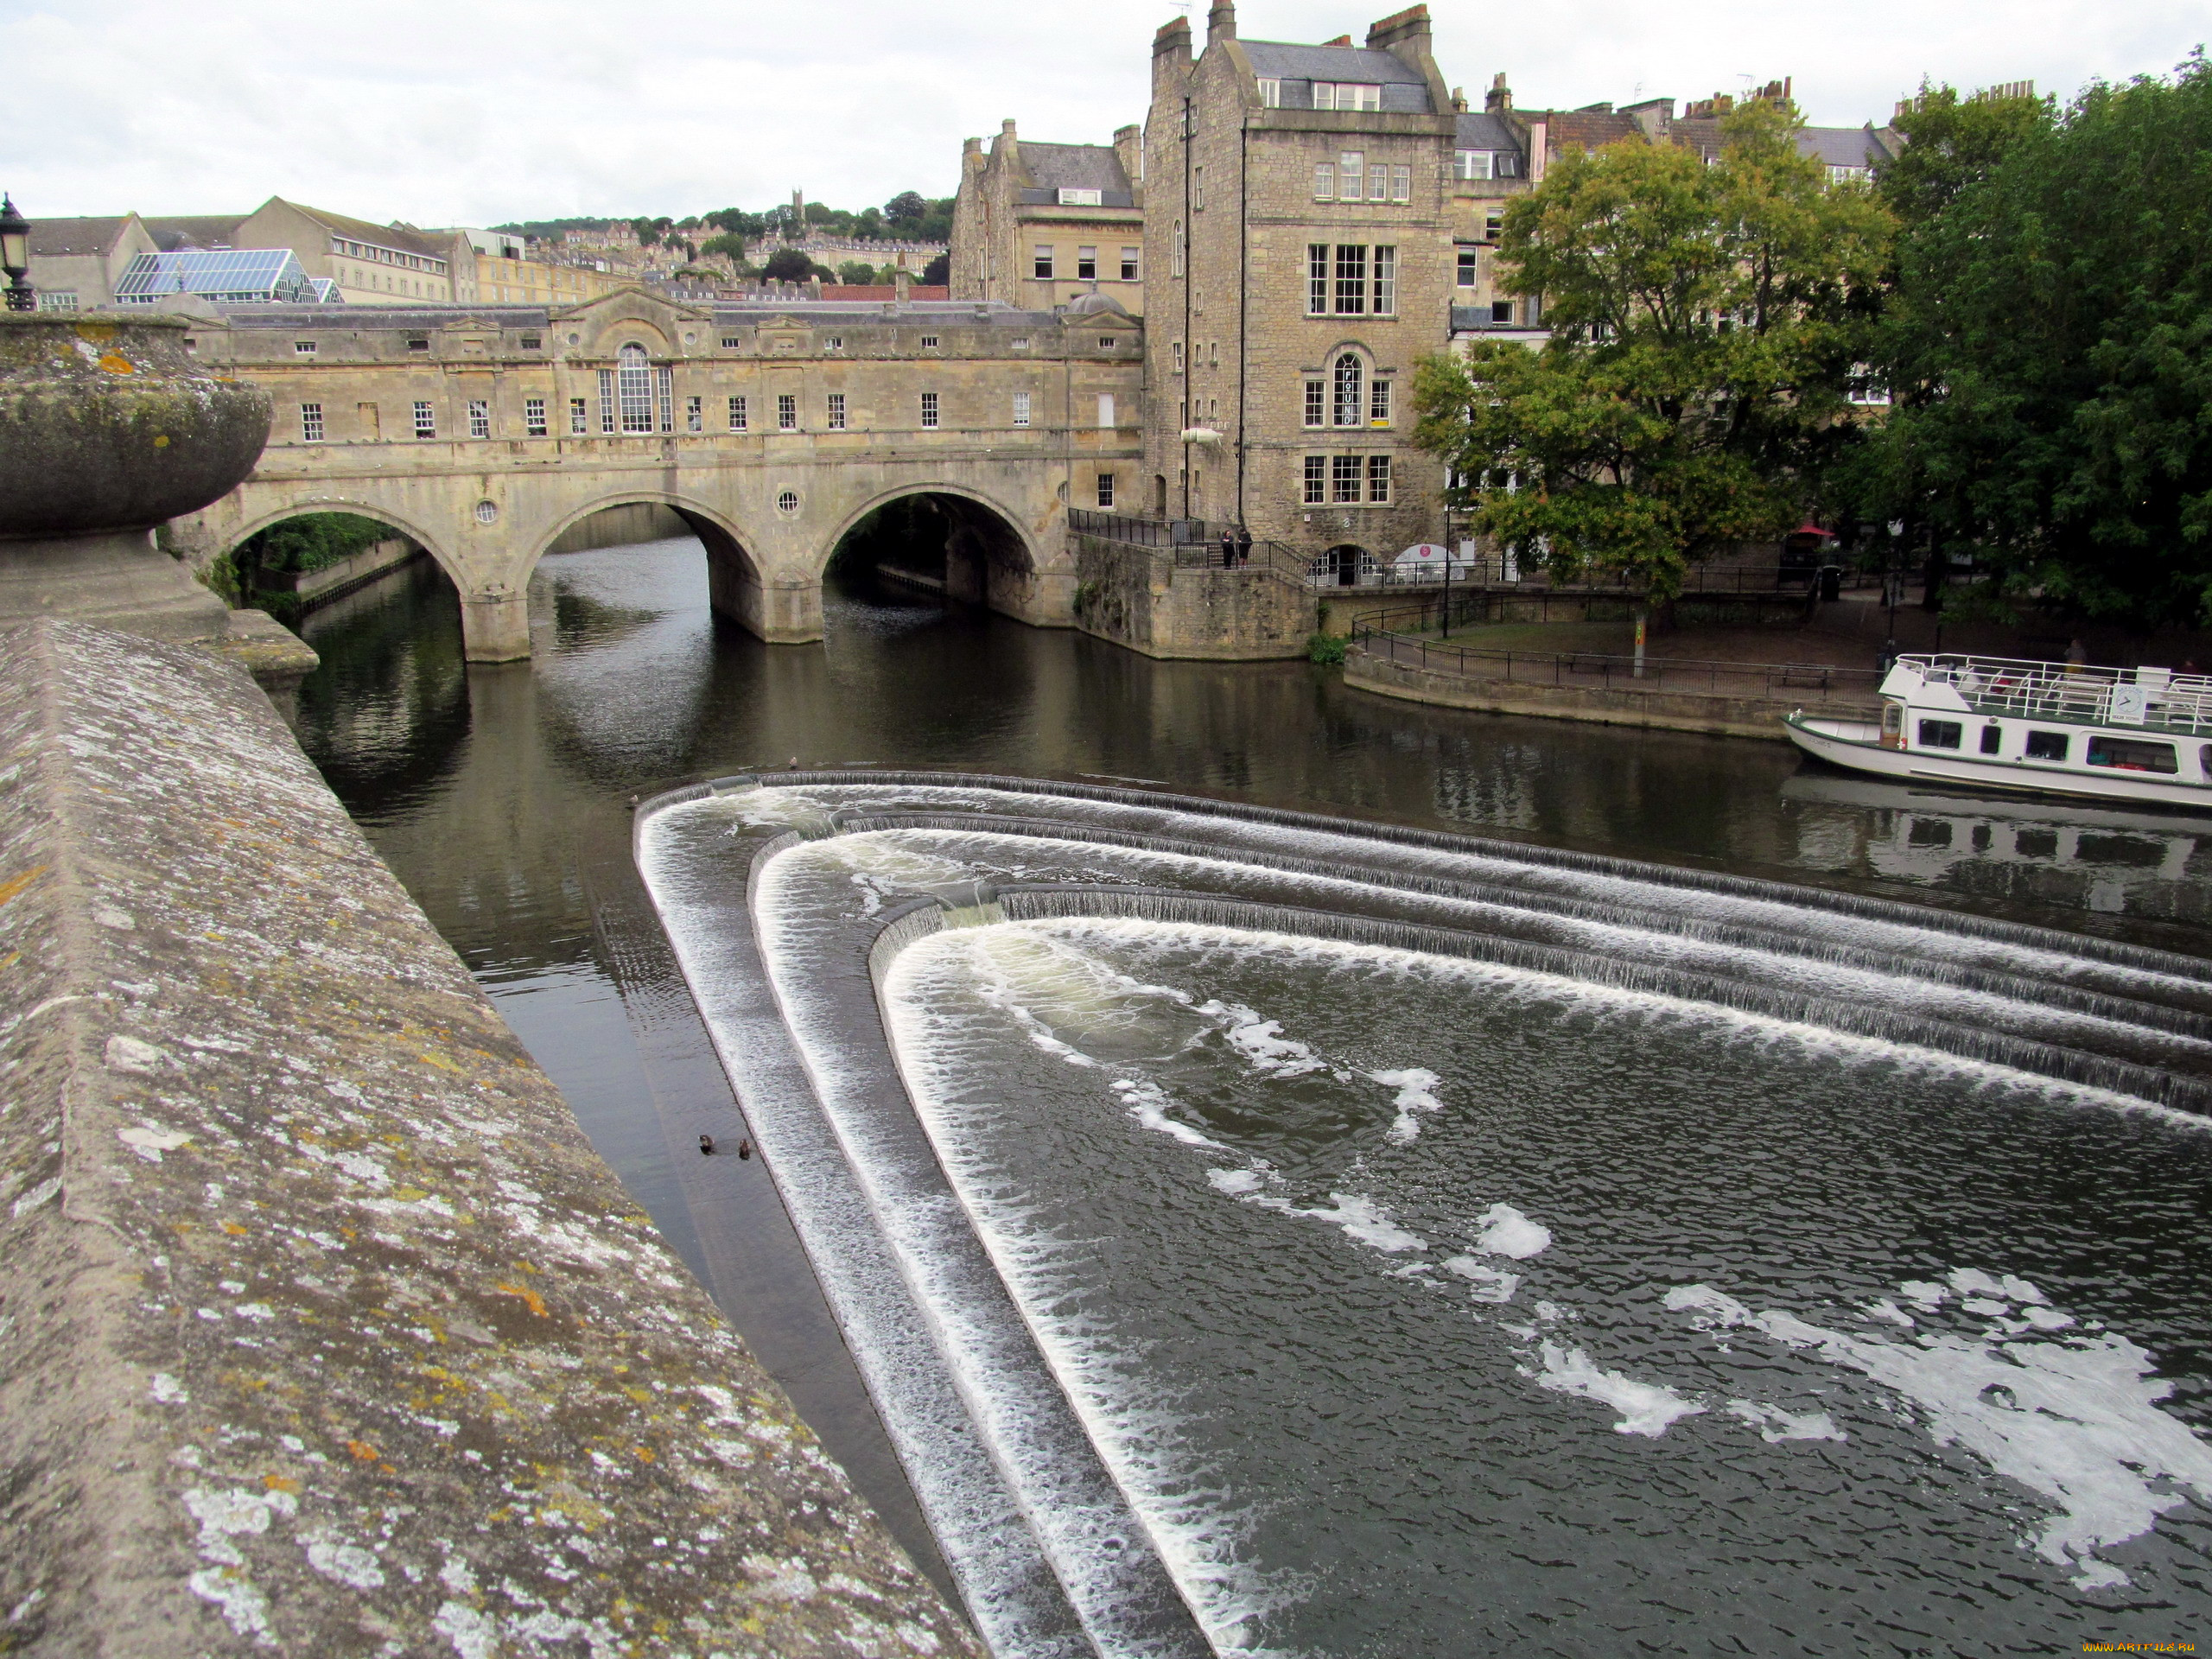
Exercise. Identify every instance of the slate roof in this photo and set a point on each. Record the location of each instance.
(1054, 168)
(57, 238)
(1844, 146)
(1299, 66)
(390, 236)
(196, 230)
(1479, 130)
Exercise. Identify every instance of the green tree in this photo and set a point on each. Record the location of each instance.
(2049, 340)
(728, 246)
(856, 272)
(1704, 325)
(939, 271)
(906, 208)
(789, 265)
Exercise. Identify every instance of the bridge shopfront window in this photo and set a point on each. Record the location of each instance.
(633, 379)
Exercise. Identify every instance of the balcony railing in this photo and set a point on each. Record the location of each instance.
(2157, 699)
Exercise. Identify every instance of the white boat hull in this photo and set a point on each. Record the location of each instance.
(1857, 745)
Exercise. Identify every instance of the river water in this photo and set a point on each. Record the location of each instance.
(1278, 1314)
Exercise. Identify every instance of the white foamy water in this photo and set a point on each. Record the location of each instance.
(1416, 1094)
(1506, 1231)
(1646, 1409)
(2076, 1423)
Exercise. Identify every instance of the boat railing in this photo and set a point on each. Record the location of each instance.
(2154, 698)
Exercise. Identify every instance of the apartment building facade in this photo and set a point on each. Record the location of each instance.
(1040, 225)
(1300, 237)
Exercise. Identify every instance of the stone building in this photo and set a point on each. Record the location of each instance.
(1038, 225)
(76, 262)
(1299, 232)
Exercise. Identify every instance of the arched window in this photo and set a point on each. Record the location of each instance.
(1349, 411)
(634, 377)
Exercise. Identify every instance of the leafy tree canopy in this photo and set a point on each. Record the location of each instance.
(1704, 321)
(939, 271)
(2049, 342)
(857, 270)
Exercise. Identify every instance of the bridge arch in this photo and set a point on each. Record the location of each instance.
(734, 583)
(301, 507)
(992, 558)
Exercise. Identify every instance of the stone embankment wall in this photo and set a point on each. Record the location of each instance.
(638, 521)
(1135, 597)
(1682, 711)
(322, 1328)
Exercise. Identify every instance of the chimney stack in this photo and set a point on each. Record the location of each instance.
(1499, 98)
(1221, 22)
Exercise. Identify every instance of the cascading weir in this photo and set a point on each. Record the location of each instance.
(1266, 1232)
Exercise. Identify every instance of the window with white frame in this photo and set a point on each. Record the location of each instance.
(1346, 95)
(1198, 188)
(1352, 174)
(1270, 93)
(1351, 295)
(304, 347)
(1402, 184)
(1467, 271)
(786, 412)
(1105, 492)
(1317, 403)
(1086, 264)
(1378, 181)
(61, 299)
(1178, 349)
(695, 414)
(1317, 479)
(311, 422)
(1177, 247)
(664, 396)
(1471, 164)
(1378, 478)
(731, 342)
(833, 343)
(929, 409)
(1075, 197)
(1019, 342)
(607, 409)
(1349, 376)
(1043, 262)
(1344, 475)
(1378, 402)
(1317, 279)
(1129, 264)
(480, 418)
(426, 422)
(836, 411)
(1386, 280)
(533, 417)
(1021, 409)
(928, 342)
(634, 382)
(737, 420)
(579, 419)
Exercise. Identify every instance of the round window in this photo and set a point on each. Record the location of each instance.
(487, 512)
(787, 502)
(572, 339)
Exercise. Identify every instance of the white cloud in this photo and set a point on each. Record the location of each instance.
(448, 111)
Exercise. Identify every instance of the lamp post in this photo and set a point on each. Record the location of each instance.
(16, 256)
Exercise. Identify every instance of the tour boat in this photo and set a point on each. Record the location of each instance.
(2141, 735)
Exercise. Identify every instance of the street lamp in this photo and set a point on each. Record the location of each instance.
(16, 256)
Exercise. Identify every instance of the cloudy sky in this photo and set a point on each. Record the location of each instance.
(474, 111)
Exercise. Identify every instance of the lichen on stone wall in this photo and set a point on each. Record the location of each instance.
(322, 1329)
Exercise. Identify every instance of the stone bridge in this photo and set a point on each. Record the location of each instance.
(483, 433)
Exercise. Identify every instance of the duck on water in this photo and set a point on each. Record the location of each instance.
(2037, 728)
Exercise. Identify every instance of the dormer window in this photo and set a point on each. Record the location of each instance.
(1346, 95)
(1082, 198)
(1270, 93)
(1473, 165)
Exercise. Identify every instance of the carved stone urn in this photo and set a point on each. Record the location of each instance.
(109, 427)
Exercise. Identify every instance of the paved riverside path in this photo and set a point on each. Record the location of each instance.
(322, 1329)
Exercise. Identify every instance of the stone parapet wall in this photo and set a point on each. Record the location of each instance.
(1679, 711)
(322, 1328)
